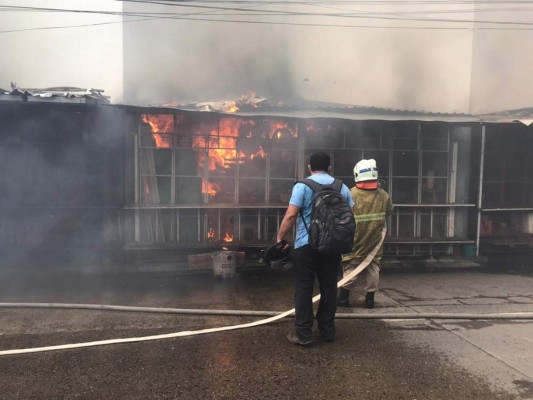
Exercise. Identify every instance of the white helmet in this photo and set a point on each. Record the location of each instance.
(365, 170)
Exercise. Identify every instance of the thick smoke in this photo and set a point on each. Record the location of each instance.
(184, 60)
(433, 70)
(502, 65)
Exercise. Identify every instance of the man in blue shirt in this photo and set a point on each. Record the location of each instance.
(308, 262)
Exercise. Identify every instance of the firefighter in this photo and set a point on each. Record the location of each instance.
(371, 210)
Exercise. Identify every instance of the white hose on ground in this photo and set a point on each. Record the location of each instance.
(526, 315)
(265, 321)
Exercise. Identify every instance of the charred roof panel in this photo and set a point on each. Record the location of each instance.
(55, 95)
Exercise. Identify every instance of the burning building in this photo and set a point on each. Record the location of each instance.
(223, 178)
(125, 182)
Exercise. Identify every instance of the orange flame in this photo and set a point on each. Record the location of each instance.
(228, 237)
(247, 99)
(221, 143)
(261, 153)
(160, 125)
(280, 129)
(232, 107)
(210, 188)
(222, 151)
(211, 233)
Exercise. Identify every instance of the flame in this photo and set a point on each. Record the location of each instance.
(212, 233)
(248, 99)
(280, 129)
(225, 248)
(160, 123)
(210, 188)
(222, 152)
(261, 153)
(232, 107)
(220, 143)
(311, 127)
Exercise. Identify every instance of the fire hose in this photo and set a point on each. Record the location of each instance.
(272, 316)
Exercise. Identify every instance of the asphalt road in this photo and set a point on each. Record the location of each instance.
(370, 359)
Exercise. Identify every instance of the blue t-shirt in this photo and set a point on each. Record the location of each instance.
(302, 197)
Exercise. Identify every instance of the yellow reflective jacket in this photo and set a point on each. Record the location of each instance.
(371, 210)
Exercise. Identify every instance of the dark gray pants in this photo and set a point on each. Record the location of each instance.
(308, 264)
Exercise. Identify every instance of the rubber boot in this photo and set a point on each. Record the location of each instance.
(369, 300)
(343, 299)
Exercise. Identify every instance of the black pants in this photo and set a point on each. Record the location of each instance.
(308, 263)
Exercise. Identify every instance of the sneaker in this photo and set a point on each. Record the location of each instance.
(369, 300)
(293, 339)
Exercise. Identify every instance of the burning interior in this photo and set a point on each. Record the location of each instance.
(220, 180)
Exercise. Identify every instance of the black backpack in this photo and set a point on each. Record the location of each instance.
(332, 227)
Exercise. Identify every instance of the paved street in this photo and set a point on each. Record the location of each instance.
(370, 359)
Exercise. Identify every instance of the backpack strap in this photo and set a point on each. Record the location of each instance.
(314, 186)
(337, 185)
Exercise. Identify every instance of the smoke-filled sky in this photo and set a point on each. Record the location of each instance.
(378, 53)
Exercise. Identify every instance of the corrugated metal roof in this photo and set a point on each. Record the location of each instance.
(55, 95)
(306, 110)
(251, 106)
(522, 115)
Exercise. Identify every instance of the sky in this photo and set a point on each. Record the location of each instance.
(432, 55)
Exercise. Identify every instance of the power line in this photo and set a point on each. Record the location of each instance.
(359, 15)
(274, 23)
(357, 2)
(43, 28)
(216, 10)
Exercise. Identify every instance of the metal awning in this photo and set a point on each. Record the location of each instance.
(347, 113)
(324, 110)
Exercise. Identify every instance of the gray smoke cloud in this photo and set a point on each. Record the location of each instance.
(432, 70)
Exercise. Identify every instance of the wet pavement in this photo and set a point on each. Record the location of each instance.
(370, 359)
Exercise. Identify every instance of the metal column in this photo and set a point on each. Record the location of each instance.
(480, 194)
